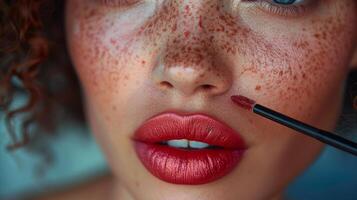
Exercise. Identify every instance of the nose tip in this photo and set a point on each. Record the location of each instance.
(189, 80)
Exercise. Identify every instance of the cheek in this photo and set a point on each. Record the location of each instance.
(300, 72)
(101, 46)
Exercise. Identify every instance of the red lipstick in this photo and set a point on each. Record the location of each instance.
(188, 165)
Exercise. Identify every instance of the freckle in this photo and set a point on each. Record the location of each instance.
(91, 13)
(187, 34)
(137, 183)
(114, 108)
(174, 28)
(126, 77)
(317, 35)
(187, 8)
(280, 73)
(258, 87)
(202, 75)
(143, 62)
(95, 83)
(200, 22)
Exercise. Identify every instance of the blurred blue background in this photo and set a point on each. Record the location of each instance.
(77, 157)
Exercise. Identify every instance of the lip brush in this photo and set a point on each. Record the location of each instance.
(321, 135)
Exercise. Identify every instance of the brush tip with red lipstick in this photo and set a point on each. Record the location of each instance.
(243, 101)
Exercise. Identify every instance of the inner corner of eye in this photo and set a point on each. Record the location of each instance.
(119, 2)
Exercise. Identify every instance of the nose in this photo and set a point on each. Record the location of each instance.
(189, 63)
(189, 80)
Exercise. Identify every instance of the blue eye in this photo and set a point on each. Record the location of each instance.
(291, 8)
(287, 2)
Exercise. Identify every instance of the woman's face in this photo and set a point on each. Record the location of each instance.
(139, 58)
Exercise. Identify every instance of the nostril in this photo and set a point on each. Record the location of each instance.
(207, 87)
(166, 84)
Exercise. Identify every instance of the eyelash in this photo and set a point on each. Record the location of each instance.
(283, 10)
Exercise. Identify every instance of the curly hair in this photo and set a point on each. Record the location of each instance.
(33, 60)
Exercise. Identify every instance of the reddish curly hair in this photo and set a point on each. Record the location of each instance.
(33, 59)
(32, 54)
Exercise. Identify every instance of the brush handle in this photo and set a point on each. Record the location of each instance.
(321, 135)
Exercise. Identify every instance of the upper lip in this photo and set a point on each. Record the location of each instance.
(198, 127)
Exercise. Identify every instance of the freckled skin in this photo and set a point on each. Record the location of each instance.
(191, 56)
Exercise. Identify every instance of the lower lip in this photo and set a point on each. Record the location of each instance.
(187, 166)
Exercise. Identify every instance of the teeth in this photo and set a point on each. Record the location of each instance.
(198, 145)
(184, 143)
(178, 143)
